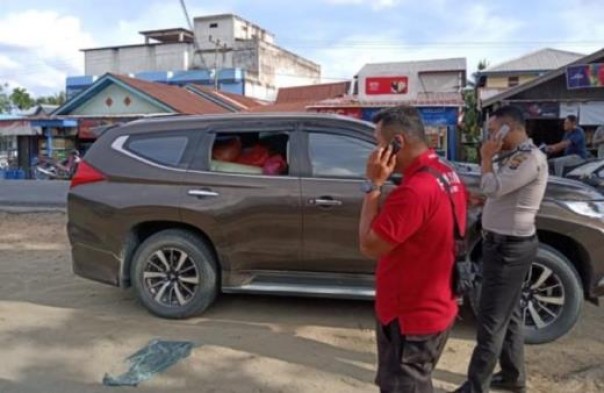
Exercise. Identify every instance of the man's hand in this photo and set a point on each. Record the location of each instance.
(380, 165)
(476, 199)
(490, 148)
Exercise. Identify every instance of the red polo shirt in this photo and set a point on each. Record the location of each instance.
(413, 282)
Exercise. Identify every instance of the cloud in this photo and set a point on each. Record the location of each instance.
(475, 34)
(46, 51)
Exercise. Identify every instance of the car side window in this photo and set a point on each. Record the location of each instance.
(165, 150)
(338, 156)
(251, 153)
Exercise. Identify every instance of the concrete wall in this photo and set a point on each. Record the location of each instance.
(228, 29)
(132, 59)
(99, 106)
(256, 90)
(281, 68)
(501, 82)
(439, 82)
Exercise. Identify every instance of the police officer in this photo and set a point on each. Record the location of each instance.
(514, 177)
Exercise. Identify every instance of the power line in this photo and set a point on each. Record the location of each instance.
(192, 28)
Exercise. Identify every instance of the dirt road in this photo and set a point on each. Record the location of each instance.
(60, 333)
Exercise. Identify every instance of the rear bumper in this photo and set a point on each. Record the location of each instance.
(94, 264)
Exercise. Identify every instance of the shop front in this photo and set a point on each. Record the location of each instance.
(15, 134)
(576, 89)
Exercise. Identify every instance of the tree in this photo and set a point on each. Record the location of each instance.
(471, 119)
(21, 99)
(57, 99)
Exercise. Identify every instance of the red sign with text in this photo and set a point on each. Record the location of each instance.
(387, 85)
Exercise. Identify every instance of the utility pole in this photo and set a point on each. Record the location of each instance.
(219, 47)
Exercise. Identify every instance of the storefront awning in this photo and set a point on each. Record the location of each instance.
(19, 128)
(55, 123)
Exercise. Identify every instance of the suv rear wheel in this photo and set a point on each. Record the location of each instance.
(174, 274)
(552, 297)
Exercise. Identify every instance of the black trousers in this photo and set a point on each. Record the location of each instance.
(500, 334)
(405, 362)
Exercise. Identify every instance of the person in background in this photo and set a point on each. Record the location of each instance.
(572, 144)
(598, 140)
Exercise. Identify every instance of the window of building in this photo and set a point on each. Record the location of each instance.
(338, 156)
(165, 150)
(513, 81)
(251, 153)
(213, 25)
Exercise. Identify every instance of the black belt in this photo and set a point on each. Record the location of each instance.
(498, 238)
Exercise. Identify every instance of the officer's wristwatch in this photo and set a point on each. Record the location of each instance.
(369, 186)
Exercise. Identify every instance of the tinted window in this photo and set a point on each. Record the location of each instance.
(167, 150)
(338, 155)
(251, 153)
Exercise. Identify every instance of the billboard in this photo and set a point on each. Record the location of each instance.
(585, 76)
(387, 85)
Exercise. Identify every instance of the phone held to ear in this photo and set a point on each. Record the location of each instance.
(503, 131)
(395, 145)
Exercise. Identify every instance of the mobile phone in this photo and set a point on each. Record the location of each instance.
(503, 131)
(395, 145)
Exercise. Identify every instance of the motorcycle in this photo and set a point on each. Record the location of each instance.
(47, 169)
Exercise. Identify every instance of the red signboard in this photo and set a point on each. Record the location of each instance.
(397, 85)
(352, 112)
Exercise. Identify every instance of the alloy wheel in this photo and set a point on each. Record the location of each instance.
(171, 277)
(542, 298)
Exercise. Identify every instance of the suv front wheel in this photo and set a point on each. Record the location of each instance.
(174, 274)
(552, 297)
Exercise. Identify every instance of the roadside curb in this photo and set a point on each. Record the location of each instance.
(32, 209)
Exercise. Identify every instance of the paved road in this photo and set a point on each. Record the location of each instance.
(33, 193)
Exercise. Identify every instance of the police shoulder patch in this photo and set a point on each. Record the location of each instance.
(517, 159)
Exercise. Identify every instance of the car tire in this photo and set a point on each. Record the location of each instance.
(562, 284)
(174, 274)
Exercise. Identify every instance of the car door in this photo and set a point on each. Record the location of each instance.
(254, 219)
(332, 199)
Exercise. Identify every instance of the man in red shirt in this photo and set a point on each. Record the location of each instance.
(412, 236)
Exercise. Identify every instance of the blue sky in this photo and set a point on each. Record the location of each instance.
(40, 40)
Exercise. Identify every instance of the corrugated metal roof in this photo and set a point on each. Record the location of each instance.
(177, 98)
(239, 100)
(285, 107)
(436, 65)
(541, 60)
(312, 92)
(423, 99)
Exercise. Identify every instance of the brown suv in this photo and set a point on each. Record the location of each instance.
(183, 208)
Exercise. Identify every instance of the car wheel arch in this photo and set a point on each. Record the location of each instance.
(142, 231)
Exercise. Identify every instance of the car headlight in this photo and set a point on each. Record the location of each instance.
(594, 209)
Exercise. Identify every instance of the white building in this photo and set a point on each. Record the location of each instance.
(225, 50)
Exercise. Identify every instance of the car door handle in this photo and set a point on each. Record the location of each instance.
(325, 202)
(202, 193)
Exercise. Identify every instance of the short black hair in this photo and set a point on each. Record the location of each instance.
(511, 113)
(572, 119)
(402, 119)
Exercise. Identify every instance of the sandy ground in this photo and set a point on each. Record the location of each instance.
(60, 333)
